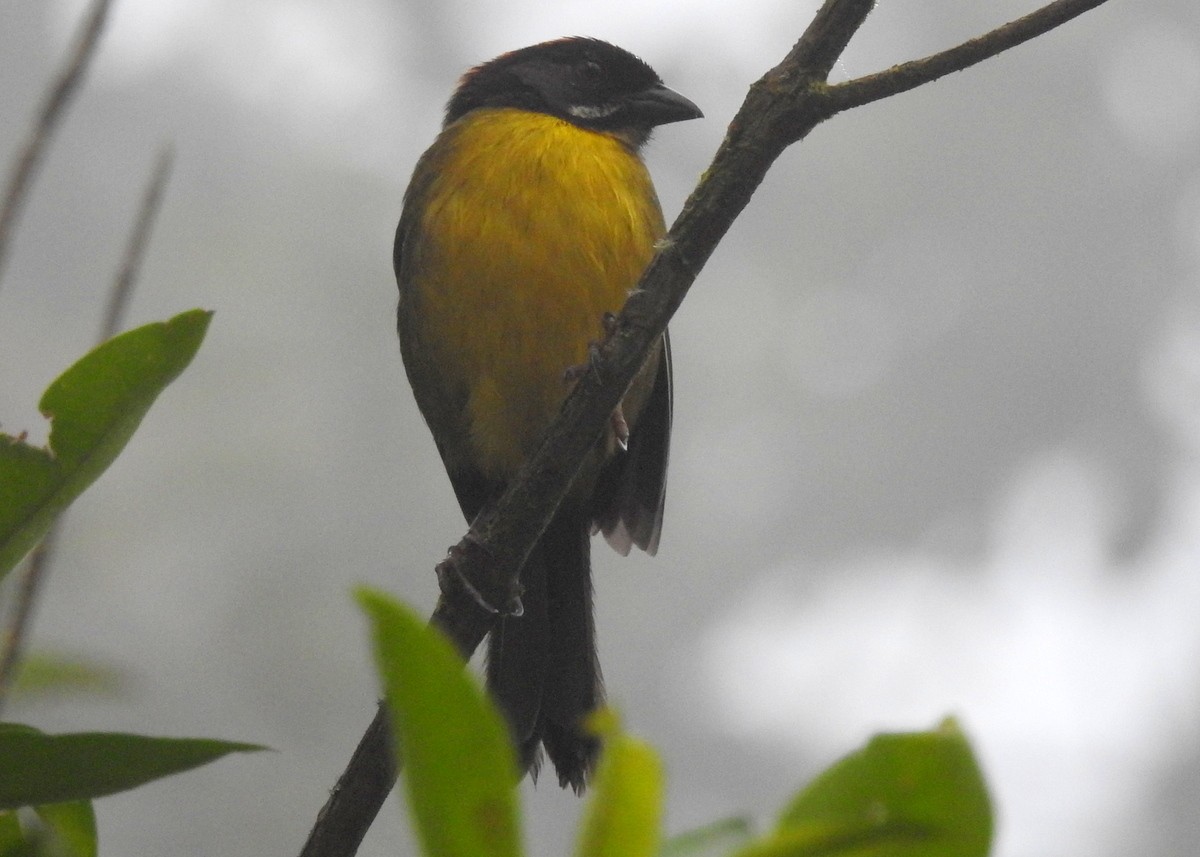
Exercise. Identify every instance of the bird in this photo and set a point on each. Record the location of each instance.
(524, 228)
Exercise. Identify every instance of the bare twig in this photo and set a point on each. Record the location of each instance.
(909, 75)
(51, 111)
(38, 565)
(780, 109)
(24, 602)
(135, 249)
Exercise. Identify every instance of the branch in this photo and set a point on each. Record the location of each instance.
(483, 568)
(135, 249)
(52, 110)
(12, 641)
(909, 75)
(479, 578)
(360, 791)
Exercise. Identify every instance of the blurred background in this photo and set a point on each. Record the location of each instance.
(937, 428)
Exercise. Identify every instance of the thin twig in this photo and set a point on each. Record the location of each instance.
(51, 111)
(909, 75)
(38, 565)
(135, 249)
(781, 108)
(25, 599)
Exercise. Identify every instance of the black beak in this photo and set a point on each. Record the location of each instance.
(660, 105)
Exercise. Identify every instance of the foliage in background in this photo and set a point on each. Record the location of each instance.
(47, 782)
(94, 408)
(915, 794)
(53, 675)
(45, 769)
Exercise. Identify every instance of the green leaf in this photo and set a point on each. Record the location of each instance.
(54, 830)
(68, 829)
(95, 406)
(459, 770)
(624, 814)
(12, 838)
(711, 839)
(36, 768)
(794, 843)
(43, 673)
(903, 795)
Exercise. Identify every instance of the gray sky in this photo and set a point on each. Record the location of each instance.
(937, 416)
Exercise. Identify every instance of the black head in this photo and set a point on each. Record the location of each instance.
(587, 82)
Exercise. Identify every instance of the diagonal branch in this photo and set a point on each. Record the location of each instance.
(135, 249)
(779, 110)
(483, 569)
(51, 111)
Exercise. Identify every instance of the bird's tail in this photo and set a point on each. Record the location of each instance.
(542, 667)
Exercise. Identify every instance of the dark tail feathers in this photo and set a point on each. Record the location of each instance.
(542, 667)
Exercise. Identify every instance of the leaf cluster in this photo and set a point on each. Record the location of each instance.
(902, 795)
(48, 782)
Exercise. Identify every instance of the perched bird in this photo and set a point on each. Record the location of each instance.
(530, 218)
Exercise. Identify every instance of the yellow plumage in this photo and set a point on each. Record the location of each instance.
(529, 218)
(532, 229)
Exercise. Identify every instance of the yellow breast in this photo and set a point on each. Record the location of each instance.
(532, 229)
